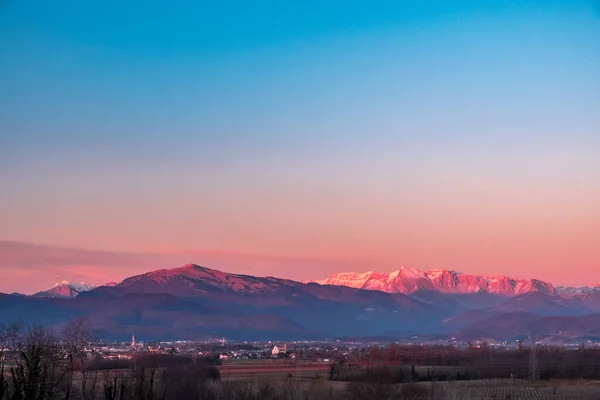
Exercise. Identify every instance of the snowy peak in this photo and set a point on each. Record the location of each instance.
(405, 280)
(410, 280)
(77, 286)
(566, 291)
(65, 289)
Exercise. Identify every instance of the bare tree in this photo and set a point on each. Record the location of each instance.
(8, 338)
(114, 386)
(35, 374)
(75, 336)
(89, 385)
(9, 335)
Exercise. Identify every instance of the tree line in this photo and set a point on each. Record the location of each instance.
(402, 363)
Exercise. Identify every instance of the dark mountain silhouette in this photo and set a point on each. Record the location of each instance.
(519, 325)
(543, 304)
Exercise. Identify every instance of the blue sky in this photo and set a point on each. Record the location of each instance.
(289, 71)
(226, 122)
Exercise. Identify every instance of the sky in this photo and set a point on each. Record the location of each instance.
(299, 139)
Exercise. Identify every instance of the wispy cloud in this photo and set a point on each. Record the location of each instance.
(28, 268)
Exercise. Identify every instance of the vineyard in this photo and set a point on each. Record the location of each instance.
(490, 390)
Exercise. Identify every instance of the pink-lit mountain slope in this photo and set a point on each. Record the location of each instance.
(194, 281)
(65, 289)
(410, 280)
(346, 310)
(197, 302)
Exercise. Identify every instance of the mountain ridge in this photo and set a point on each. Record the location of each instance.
(198, 302)
(411, 280)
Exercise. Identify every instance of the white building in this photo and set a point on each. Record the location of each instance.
(275, 351)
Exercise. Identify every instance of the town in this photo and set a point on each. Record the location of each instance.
(313, 351)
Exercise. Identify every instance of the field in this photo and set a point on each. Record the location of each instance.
(274, 370)
(510, 390)
(314, 377)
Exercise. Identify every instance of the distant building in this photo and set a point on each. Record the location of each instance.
(277, 350)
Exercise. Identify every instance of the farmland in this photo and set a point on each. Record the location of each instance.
(505, 390)
(313, 378)
(273, 370)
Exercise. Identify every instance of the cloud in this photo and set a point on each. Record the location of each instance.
(28, 268)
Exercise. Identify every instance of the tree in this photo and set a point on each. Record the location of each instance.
(89, 385)
(34, 375)
(8, 337)
(75, 336)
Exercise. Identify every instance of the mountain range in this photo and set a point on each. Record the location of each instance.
(410, 280)
(194, 302)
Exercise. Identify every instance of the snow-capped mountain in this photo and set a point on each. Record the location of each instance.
(189, 301)
(568, 291)
(65, 289)
(410, 280)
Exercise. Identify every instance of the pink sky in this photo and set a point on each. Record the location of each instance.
(313, 221)
(30, 268)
